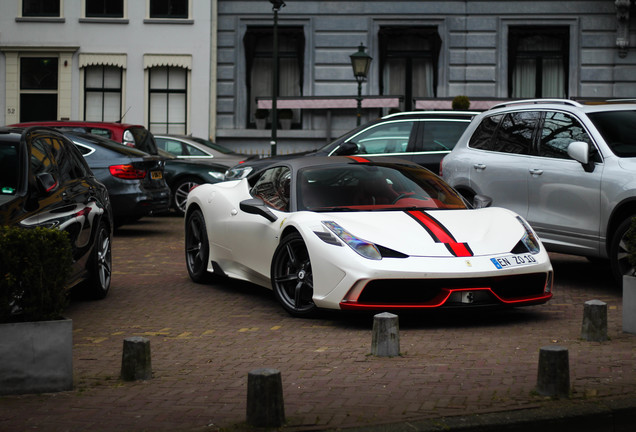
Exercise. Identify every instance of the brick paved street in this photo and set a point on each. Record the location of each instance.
(205, 340)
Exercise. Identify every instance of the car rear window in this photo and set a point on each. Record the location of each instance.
(514, 134)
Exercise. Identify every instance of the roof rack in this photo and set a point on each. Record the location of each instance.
(538, 101)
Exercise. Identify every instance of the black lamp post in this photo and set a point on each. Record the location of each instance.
(360, 62)
(276, 5)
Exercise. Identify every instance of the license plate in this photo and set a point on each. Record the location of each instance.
(156, 175)
(513, 260)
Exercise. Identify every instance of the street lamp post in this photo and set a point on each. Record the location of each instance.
(276, 5)
(360, 62)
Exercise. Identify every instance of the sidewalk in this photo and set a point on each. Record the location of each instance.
(456, 370)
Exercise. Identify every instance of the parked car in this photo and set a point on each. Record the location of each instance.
(424, 137)
(45, 182)
(189, 147)
(183, 175)
(358, 233)
(566, 167)
(131, 135)
(135, 179)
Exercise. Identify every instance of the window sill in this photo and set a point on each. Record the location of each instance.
(168, 21)
(41, 19)
(104, 20)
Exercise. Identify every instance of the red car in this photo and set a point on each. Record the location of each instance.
(128, 134)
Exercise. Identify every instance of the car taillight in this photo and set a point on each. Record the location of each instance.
(128, 172)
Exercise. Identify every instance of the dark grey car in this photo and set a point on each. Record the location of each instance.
(423, 137)
(135, 179)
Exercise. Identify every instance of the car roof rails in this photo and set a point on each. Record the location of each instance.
(431, 113)
(537, 101)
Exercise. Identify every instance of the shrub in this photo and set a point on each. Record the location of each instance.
(261, 113)
(35, 265)
(461, 103)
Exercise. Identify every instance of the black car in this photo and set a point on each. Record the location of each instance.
(135, 179)
(45, 182)
(423, 137)
(183, 175)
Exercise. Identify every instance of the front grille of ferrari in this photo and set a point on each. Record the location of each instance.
(511, 290)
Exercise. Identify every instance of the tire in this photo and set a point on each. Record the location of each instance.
(292, 278)
(180, 193)
(100, 264)
(197, 248)
(618, 253)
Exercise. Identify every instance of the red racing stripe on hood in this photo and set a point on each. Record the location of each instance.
(358, 158)
(440, 234)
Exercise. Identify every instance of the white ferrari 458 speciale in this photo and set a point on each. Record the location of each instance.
(362, 234)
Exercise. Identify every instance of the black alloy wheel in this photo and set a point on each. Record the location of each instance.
(618, 253)
(100, 269)
(180, 193)
(292, 278)
(197, 248)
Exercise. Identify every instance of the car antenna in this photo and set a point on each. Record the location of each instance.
(124, 115)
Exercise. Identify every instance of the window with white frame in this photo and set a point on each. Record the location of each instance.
(102, 93)
(41, 8)
(408, 62)
(168, 99)
(169, 9)
(39, 88)
(104, 8)
(258, 42)
(538, 60)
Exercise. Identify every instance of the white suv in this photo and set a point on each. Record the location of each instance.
(568, 168)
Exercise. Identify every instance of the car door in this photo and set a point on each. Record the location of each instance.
(499, 165)
(253, 237)
(564, 199)
(65, 200)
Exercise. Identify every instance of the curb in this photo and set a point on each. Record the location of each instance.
(607, 415)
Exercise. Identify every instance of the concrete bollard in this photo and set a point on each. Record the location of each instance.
(385, 341)
(265, 406)
(553, 377)
(594, 327)
(135, 361)
(629, 304)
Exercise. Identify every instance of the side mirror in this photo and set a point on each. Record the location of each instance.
(347, 149)
(580, 152)
(481, 201)
(257, 207)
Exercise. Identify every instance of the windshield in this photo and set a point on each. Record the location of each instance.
(377, 186)
(618, 129)
(212, 145)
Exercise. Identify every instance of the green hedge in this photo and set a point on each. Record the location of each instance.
(34, 266)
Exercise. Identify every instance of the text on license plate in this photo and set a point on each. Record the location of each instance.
(513, 260)
(155, 175)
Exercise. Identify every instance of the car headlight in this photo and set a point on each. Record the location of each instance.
(529, 239)
(238, 172)
(216, 175)
(360, 246)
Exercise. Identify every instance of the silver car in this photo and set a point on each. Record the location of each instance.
(568, 168)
